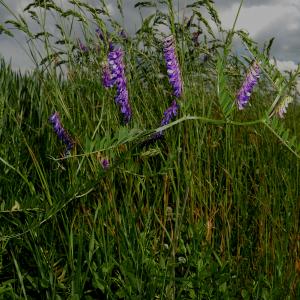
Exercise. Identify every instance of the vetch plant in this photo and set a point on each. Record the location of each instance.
(169, 114)
(282, 107)
(105, 164)
(251, 80)
(106, 76)
(173, 69)
(62, 134)
(114, 74)
(174, 75)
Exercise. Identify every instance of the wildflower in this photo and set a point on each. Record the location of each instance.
(169, 114)
(251, 80)
(282, 107)
(117, 77)
(82, 47)
(61, 132)
(172, 66)
(105, 164)
(106, 76)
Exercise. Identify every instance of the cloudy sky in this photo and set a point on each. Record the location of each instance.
(263, 19)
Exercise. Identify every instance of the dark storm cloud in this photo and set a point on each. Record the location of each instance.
(286, 45)
(262, 18)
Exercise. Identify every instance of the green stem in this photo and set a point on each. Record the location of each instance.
(208, 120)
(281, 140)
(162, 128)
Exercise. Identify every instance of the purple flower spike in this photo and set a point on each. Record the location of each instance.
(106, 76)
(105, 164)
(61, 132)
(172, 65)
(251, 80)
(282, 108)
(118, 78)
(169, 114)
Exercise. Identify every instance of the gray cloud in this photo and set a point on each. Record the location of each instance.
(286, 44)
(285, 29)
(246, 3)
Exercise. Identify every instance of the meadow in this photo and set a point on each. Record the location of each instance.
(118, 197)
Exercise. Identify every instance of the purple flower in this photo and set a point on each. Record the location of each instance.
(172, 65)
(251, 80)
(282, 107)
(114, 74)
(82, 47)
(105, 164)
(106, 76)
(169, 114)
(61, 132)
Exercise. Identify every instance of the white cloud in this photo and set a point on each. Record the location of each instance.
(255, 19)
(287, 65)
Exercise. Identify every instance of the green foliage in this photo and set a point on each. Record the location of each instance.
(225, 98)
(284, 136)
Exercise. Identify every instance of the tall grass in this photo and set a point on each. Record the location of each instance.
(209, 212)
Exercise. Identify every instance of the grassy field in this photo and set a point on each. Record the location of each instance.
(209, 211)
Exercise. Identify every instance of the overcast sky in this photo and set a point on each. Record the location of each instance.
(263, 19)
